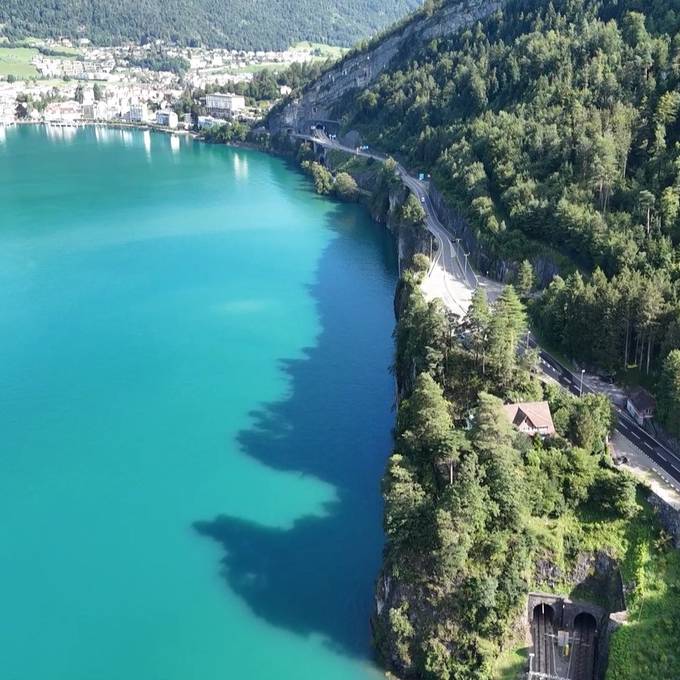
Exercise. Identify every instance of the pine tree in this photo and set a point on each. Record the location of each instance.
(669, 392)
(478, 318)
(424, 423)
(525, 279)
(508, 323)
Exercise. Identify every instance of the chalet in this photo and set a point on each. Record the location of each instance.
(641, 405)
(531, 418)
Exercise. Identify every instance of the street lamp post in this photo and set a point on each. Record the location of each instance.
(465, 255)
(580, 394)
(458, 248)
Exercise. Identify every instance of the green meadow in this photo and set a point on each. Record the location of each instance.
(16, 61)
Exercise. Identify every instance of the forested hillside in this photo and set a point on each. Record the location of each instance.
(237, 24)
(477, 514)
(554, 128)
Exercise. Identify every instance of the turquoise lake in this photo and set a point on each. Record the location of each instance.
(195, 413)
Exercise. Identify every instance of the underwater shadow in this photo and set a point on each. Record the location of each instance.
(317, 576)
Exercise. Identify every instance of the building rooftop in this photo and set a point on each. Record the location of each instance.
(535, 414)
(642, 400)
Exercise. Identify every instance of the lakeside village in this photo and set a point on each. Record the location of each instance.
(60, 83)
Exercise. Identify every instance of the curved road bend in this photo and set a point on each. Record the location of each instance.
(458, 281)
(455, 275)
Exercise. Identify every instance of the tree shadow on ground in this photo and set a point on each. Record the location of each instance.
(317, 576)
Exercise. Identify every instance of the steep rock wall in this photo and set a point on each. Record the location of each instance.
(360, 70)
(485, 262)
(669, 517)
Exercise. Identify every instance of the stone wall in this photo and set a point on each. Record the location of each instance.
(615, 621)
(669, 517)
(493, 267)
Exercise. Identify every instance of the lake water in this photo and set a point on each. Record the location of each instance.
(195, 412)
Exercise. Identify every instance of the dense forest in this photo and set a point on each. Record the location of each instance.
(236, 24)
(478, 514)
(472, 507)
(554, 129)
(555, 132)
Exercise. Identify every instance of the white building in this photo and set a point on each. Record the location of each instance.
(224, 104)
(63, 112)
(167, 119)
(531, 418)
(208, 121)
(138, 113)
(97, 111)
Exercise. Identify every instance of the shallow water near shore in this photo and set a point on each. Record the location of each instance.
(195, 408)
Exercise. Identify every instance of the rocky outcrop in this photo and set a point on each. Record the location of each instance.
(361, 69)
(545, 268)
(669, 517)
(385, 208)
(595, 572)
(400, 608)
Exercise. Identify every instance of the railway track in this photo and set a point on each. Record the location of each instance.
(543, 634)
(583, 650)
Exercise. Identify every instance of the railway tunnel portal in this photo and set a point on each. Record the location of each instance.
(564, 638)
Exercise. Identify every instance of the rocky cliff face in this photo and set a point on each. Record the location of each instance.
(545, 267)
(668, 516)
(361, 69)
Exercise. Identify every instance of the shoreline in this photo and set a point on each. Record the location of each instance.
(122, 125)
(109, 124)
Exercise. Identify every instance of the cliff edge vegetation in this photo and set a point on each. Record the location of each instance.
(553, 129)
(478, 514)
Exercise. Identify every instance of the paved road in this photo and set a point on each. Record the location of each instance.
(450, 257)
(456, 273)
(651, 447)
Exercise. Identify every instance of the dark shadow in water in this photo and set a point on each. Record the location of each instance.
(317, 577)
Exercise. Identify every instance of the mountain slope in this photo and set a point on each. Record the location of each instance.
(361, 67)
(237, 24)
(554, 130)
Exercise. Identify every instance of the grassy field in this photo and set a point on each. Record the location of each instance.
(320, 51)
(511, 664)
(647, 646)
(256, 68)
(16, 61)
